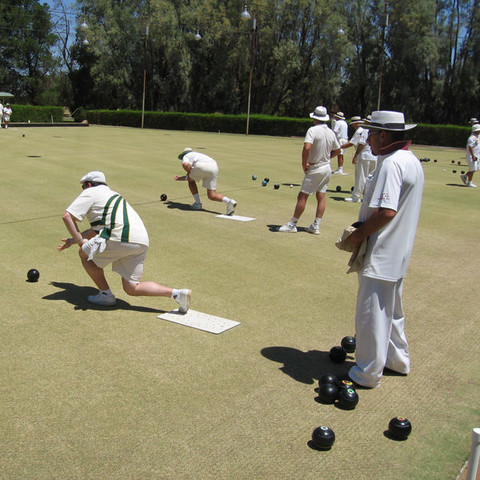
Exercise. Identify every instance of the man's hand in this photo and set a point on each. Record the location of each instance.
(67, 243)
(180, 179)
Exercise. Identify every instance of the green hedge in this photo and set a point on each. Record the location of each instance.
(443, 135)
(25, 113)
(258, 125)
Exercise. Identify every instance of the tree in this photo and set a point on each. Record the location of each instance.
(26, 41)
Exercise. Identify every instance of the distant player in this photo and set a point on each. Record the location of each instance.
(7, 112)
(340, 128)
(319, 146)
(472, 156)
(201, 167)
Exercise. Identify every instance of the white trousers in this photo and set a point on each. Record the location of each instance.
(363, 168)
(380, 331)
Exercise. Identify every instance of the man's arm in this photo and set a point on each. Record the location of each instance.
(305, 154)
(375, 222)
(359, 149)
(77, 237)
(187, 167)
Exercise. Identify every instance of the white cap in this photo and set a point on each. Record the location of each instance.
(95, 177)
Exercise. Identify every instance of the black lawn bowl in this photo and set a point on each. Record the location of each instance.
(338, 354)
(345, 385)
(163, 197)
(399, 428)
(323, 438)
(33, 275)
(338, 188)
(328, 378)
(328, 393)
(347, 399)
(349, 344)
(276, 186)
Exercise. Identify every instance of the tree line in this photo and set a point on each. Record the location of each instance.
(423, 56)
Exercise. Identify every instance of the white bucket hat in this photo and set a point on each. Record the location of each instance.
(321, 114)
(356, 119)
(95, 177)
(340, 115)
(476, 128)
(388, 120)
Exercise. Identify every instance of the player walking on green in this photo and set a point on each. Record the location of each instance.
(116, 236)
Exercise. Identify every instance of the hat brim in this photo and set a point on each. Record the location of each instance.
(389, 128)
(326, 118)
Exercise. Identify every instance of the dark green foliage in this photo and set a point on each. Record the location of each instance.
(24, 113)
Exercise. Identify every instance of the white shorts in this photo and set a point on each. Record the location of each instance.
(126, 258)
(316, 179)
(207, 173)
(472, 166)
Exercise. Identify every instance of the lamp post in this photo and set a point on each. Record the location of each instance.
(383, 21)
(246, 16)
(145, 33)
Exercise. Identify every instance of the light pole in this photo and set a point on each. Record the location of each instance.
(383, 21)
(145, 33)
(246, 16)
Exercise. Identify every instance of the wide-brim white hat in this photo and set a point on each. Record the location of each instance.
(95, 177)
(339, 115)
(321, 114)
(388, 120)
(356, 119)
(476, 128)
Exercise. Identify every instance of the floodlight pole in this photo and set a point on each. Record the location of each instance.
(246, 16)
(384, 24)
(144, 72)
(252, 52)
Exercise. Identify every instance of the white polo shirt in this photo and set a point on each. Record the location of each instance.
(196, 159)
(341, 129)
(323, 141)
(397, 184)
(99, 204)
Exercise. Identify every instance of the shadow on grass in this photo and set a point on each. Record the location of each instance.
(77, 296)
(274, 228)
(306, 367)
(457, 185)
(187, 207)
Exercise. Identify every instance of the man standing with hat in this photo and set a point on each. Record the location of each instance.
(116, 236)
(390, 213)
(340, 128)
(472, 156)
(363, 159)
(319, 146)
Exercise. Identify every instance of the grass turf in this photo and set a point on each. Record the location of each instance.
(94, 393)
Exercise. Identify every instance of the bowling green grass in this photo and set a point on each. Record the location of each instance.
(95, 393)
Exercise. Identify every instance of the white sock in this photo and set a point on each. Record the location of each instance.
(293, 221)
(225, 199)
(175, 293)
(317, 221)
(197, 198)
(106, 292)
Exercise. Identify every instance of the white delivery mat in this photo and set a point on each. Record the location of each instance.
(200, 321)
